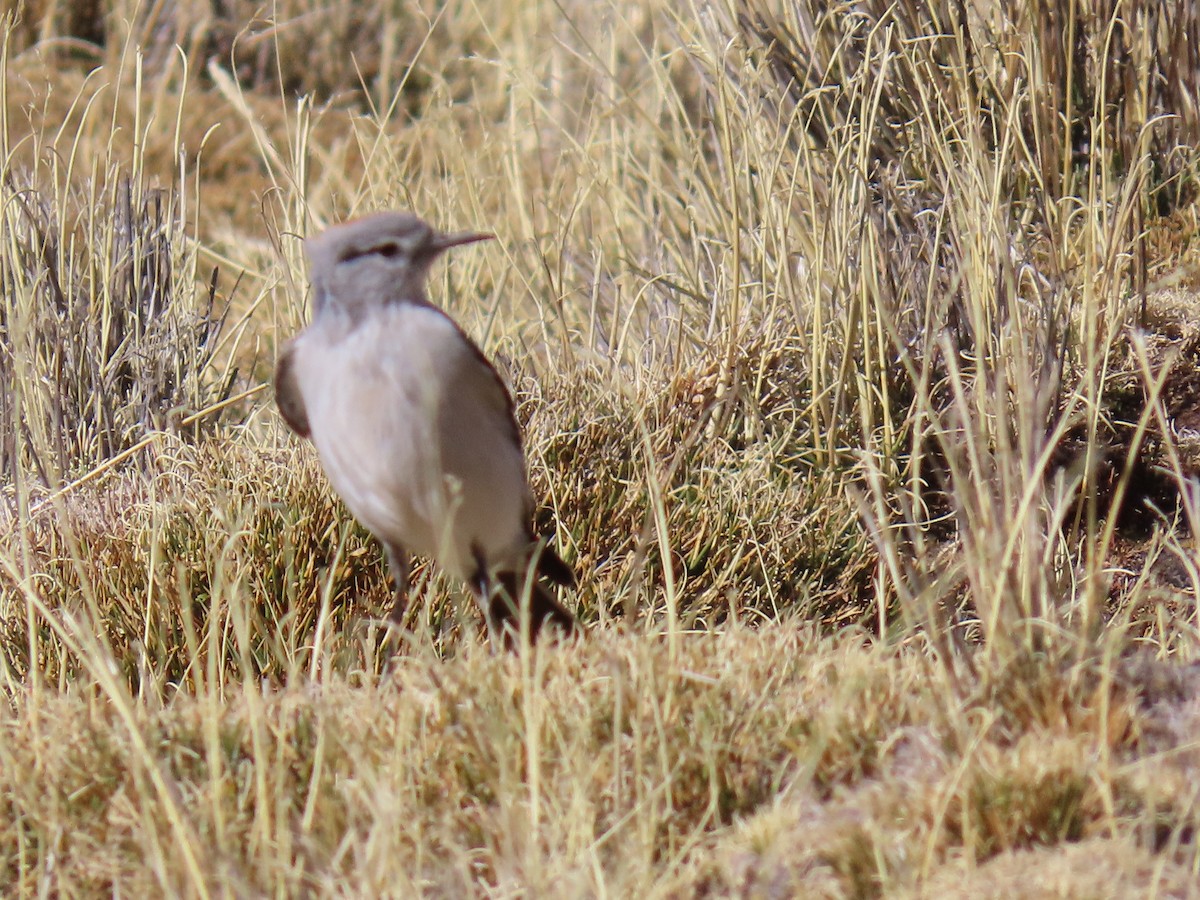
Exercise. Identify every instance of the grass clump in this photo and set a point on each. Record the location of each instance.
(856, 373)
(99, 325)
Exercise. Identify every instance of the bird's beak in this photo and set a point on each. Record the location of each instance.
(446, 241)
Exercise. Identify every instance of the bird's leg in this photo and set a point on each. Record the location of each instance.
(482, 589)
(398, 563)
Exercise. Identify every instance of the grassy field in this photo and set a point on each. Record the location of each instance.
(857, 348)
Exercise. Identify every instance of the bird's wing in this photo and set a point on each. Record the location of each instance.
(495, 394)
(288, 397)
(550, 565)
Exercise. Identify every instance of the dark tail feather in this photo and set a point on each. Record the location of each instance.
(551, 567)
(542, 607)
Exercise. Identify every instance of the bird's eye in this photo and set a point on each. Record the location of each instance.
(390, 250)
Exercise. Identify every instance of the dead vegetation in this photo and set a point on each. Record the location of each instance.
(103, 341)
(855, 349)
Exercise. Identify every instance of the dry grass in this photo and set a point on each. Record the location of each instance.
(854, 346)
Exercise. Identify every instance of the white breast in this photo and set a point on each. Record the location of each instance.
(415, 433)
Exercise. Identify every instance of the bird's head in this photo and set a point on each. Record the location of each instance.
(377, 260)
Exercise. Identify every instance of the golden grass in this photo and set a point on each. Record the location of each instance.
(755, 758)
(858, 377)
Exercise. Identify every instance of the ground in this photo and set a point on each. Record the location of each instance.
(855, 353)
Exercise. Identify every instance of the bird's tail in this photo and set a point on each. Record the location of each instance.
(543, 608)
(551, 566)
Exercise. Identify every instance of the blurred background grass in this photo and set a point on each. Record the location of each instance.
(843, 334)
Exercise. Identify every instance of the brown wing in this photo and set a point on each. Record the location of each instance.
(550, 564)
(501, 398)
(287, 394)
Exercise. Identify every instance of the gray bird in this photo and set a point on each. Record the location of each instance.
(413, 425)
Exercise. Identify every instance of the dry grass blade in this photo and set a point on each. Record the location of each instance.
(855, 351)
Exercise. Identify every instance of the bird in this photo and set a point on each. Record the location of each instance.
(413, 426)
